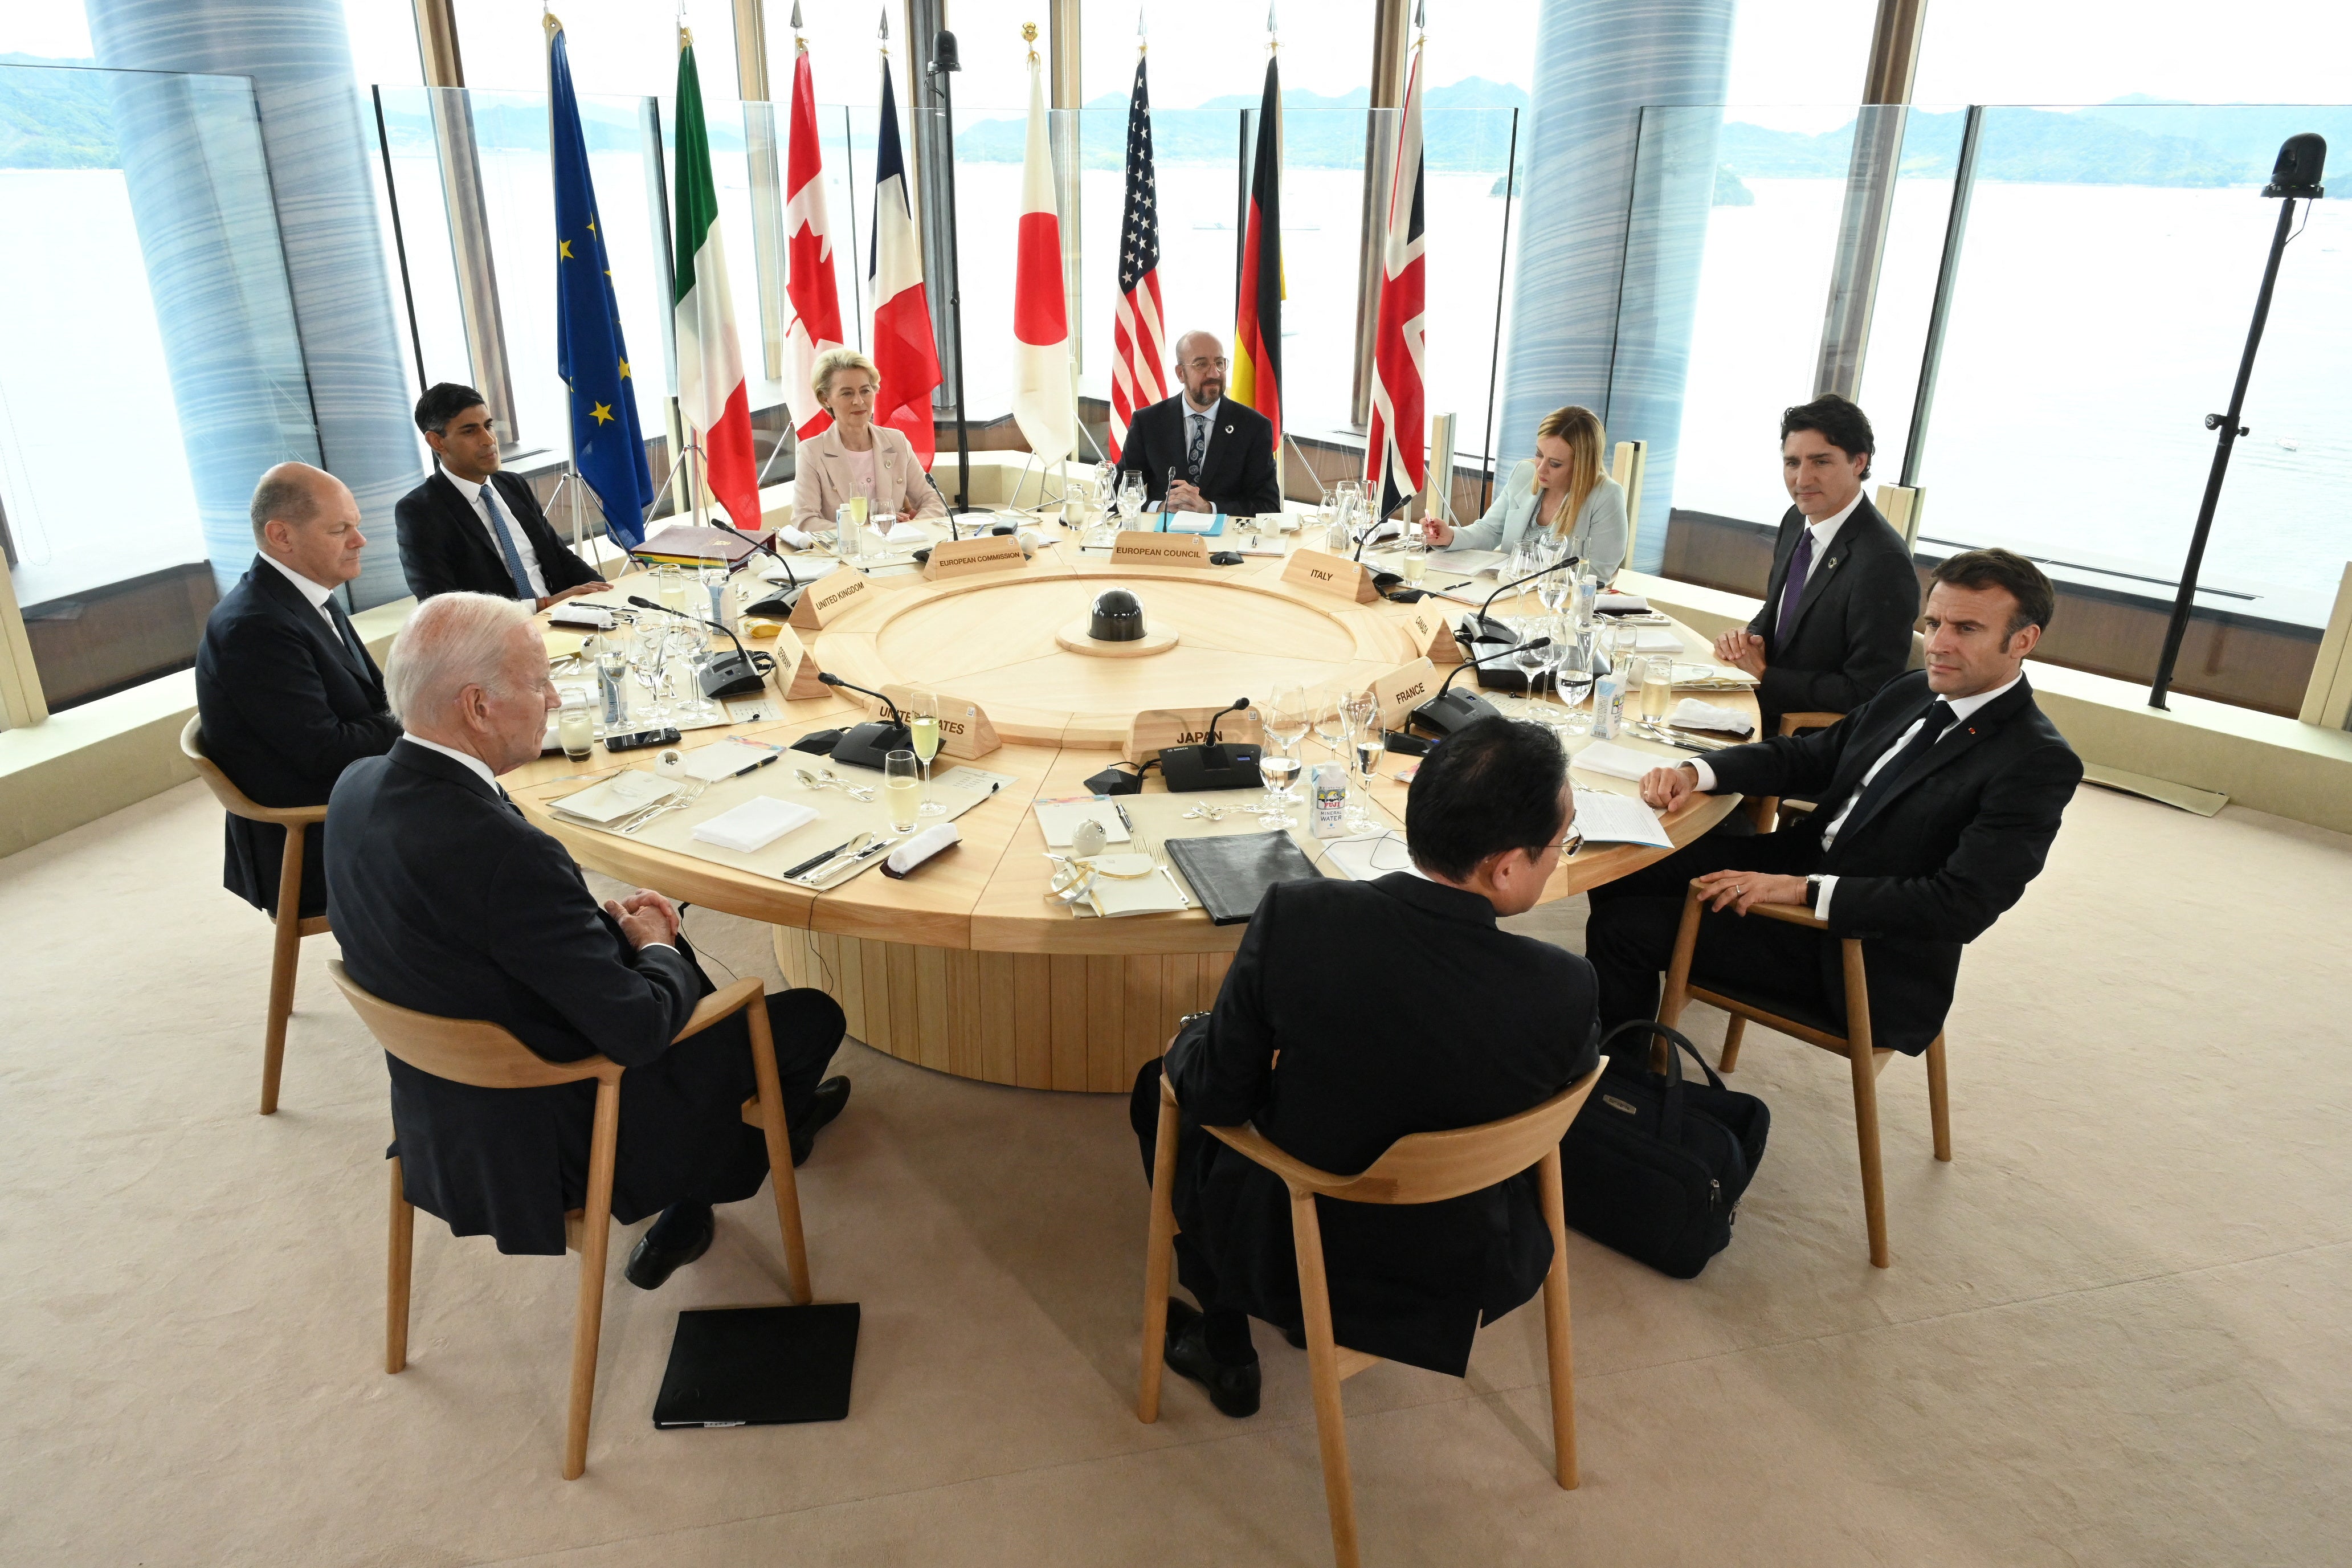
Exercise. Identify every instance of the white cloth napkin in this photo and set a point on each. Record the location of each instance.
(593, 618)
(1690, 714)
(906, 534)
(1658, 639)
(1621, 604)
(795, 537)
(1615, 761)
(921, 848)
(754, 825)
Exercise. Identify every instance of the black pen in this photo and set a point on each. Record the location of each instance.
(816, 860)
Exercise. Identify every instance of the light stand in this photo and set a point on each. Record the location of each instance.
(2301, 162)
(944, 64)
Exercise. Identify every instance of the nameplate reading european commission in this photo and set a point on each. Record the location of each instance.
(1329, 573)
(1139, 549)
(962, 557)
(1402, 689)
(829, 598)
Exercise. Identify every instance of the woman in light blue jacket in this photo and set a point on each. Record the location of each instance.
(1560, 490)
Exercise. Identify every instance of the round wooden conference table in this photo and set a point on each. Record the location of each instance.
(968, 965)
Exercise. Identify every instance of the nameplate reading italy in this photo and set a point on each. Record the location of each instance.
(829, 598)
(1402, 689)
(962, 557)
(1135, 548)
(1330, 573)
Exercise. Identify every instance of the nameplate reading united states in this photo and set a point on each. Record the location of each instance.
(964, 729)
(829, 598)
(1135, 548)
(1328, 574)
(1402, 689)
(962, 557)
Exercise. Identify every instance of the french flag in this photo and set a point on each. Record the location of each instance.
(905, 352)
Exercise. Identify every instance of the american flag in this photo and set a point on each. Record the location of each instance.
(1139, 374)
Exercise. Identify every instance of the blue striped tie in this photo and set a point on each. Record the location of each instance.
(507, 545)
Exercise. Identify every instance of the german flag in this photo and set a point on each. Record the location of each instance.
(1256, 377)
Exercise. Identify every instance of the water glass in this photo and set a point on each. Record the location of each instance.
(1572, 674)
(575, 726)
(669, 589)
(902, 790)
(649, 660)
(847, 544)
(1287, 720)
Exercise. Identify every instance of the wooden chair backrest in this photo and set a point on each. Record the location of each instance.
(233, 800)
(1631, 464)
(462, 1050)
(1902, 507)
(1430, 1167)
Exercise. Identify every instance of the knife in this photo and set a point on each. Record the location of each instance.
(820, 859)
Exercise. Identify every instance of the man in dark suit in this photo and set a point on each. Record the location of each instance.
(447, 901)
(470, 527)
(1468, 1023)
(1220, 454)
(1939, 799)
(1836, 621)
(285, 688)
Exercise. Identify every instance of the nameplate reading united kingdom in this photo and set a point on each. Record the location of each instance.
(1402, 689)
(1139, 549)
(962, 557)
(829, 598)
(1328, 574)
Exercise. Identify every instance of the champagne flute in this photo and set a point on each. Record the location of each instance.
(902, 790)
(1657, 690)
(923, 724)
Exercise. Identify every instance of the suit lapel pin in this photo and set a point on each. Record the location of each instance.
(1229, 430)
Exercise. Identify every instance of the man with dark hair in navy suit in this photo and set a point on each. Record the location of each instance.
(471, 529)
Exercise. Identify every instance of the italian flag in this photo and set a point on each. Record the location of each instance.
(711, 398)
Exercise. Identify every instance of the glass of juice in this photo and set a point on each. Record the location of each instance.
(902, 790)
(1657, 690)
(575, 726)
(923, 724)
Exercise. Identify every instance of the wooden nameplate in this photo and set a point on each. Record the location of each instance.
(964, 729)
(829, 598)
(962, 557)
(1402, 689)
(796, 670)
(1157, 729)
(1329, 573)
(1433, 634)
(1137, 548)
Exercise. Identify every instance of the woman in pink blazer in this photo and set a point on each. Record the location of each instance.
(854, 456)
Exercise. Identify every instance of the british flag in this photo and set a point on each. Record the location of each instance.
(1138, 368)
(1394, 456)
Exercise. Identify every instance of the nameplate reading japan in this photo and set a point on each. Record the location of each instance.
(1157, 729)
(1330, 573)
(1139, 549)
(962, 557)
(829, 598)
(1402, 689)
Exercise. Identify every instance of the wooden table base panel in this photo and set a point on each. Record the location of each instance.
(1071, 1022)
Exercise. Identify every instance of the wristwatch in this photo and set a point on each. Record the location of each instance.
(1812, 891)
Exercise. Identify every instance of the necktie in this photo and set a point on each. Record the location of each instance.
(349, 633)
(1937, 718)
(507, 545)
(1792, 592)
(1200, 443)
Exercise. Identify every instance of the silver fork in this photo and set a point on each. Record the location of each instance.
(680, 802)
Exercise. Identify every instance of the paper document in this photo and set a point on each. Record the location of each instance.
(615, 797)
(1605, 818)
(969, 777)
(1616, 761)
(1465, 562)
(725, 759)
(1057, 817)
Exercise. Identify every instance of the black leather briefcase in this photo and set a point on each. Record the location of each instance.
(1655, 1167)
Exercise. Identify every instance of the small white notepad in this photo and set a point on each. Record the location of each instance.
(754, 825)
(1616, 761)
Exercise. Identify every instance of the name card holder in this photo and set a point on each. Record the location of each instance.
(1433, 635)
(1402, 689)
(1157, 729)
(829, 598)
(964, 729)
(1135, 548)
(962, 557)
(796, 671)
(1329, 573)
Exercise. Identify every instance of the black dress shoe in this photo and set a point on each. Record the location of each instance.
(668, 1247)
(823, 1105)
(1232, 1388)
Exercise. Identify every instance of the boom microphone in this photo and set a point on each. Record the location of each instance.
(1477, 624)
(868, 745)
(1450, 710)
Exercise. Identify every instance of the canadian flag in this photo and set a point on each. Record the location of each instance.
(903, 350)
(817, 303)
(1045, 400)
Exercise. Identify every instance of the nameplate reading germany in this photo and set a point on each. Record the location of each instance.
(1331, 574)
(961, 557)
(829, 598)
(1135, 548)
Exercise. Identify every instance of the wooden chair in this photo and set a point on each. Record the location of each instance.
(1822, 1030)
(1426, 1168)
(286, 950)
(1765, 811)
(1629, 464)
(486, 1057)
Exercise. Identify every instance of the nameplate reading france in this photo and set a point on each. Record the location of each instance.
(1135, 548)
(1402, 689)
(962, 557)
(829, 598)
(1328, 574)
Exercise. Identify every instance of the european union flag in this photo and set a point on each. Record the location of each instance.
(608, 451)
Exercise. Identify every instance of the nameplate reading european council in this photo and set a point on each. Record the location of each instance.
(1139, 549)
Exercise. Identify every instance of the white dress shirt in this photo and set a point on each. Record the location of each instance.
(317, 593)
(1961, 708)
(1823, 533)
(473, 494)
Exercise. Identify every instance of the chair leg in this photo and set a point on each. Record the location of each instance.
(397, 1259)
(1865, 1100)
(285, 953)
(1732, 1034)
(1560, 1350)
(595, 1236)
(781, 1176)
(1676, 993)
(1764, 811)
(1940, 1098)
(1323, 1376)
(1157, 1259)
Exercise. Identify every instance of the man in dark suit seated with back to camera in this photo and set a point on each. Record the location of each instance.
(447, 901)
(1220, 454)
(285, 688)
(1836, 621)
(1939, 798)
(471, 529)
(1395, 1006)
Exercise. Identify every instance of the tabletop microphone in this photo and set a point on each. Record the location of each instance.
(1478, 622)
(1450, 711)
(867, 745)
(1212, 764)
(738, 676)
(1375, 527)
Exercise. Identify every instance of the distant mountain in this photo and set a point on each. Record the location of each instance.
(54, 118)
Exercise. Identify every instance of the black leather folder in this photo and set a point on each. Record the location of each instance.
(1229, 874)
(759, 1366)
